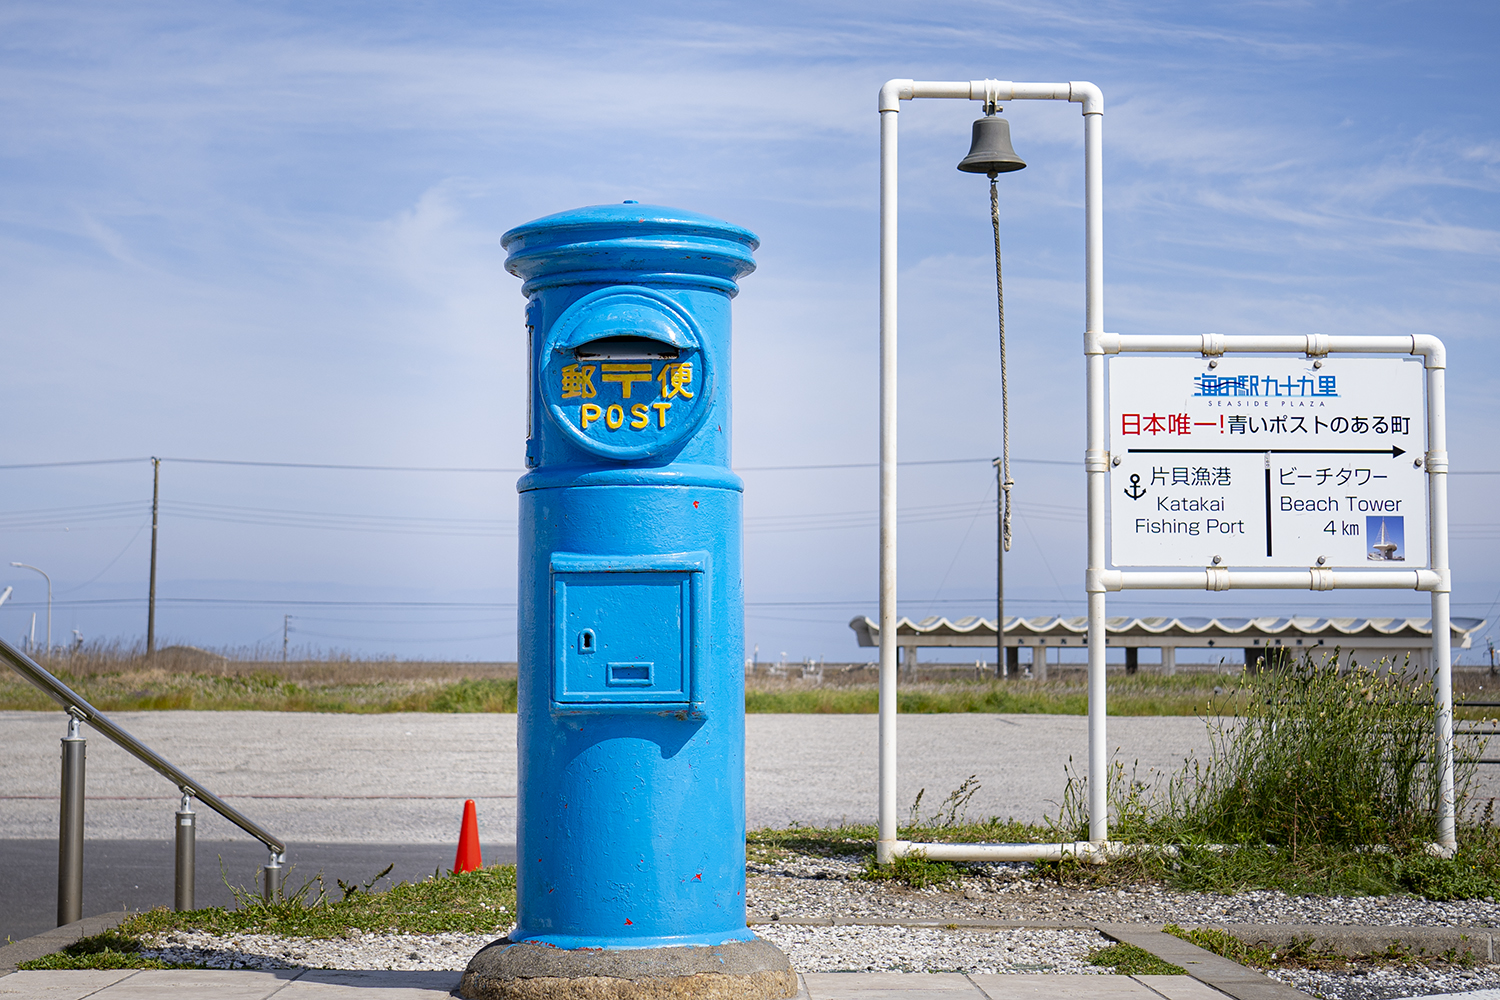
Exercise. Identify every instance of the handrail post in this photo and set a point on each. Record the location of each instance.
(70, 832)
(70, 841)
(187, 855)
(272, 873)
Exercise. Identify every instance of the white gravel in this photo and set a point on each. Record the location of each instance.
(354, 950)
(811, 949)
(802, 888)
(816, 888)
(1373, 983)
(813, 887)
(923, 949)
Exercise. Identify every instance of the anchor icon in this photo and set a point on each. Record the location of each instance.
(1135, 491)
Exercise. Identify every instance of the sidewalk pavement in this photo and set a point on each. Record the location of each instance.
(322, 984)
(1211, 977)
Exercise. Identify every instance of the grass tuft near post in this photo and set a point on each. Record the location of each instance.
(1316, 755)
(1317, 780)
(1309, 756)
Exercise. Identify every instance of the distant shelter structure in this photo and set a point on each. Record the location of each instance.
(1364, 640)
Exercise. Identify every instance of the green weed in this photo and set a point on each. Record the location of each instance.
(1307, 756)
(477, 902)
(914, 870)
(1129, 960)
(1226, 945)
(842, 841)
(948, 823)
(1304, 952)
(474, 902)
(109, 950)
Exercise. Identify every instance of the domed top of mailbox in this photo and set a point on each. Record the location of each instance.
(630, 243)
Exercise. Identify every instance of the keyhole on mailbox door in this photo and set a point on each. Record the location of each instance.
(586, 642)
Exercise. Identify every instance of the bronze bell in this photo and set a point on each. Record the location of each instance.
(991, 152)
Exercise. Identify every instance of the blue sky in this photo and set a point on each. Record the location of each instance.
(270, 232)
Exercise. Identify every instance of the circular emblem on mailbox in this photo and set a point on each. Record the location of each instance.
(624, 373)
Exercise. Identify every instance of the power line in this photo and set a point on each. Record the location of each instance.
(480, 527)
(926, 461)
(394, 621)
(422, 639)
(340, 521)
(329, 465)
(42, 517)
(94, 461)
(258, 602)
(488, 469)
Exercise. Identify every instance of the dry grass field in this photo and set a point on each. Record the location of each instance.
(117, 679)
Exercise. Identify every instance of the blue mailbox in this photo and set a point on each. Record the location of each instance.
(630, 627)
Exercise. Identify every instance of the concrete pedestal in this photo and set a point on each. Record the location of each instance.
(738, 970)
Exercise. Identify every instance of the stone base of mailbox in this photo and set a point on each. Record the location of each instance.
(738, 970)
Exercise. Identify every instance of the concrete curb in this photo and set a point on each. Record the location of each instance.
(1204, 966)
(47, 942)
(1357, 940)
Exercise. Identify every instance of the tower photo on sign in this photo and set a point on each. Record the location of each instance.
(1387, 538)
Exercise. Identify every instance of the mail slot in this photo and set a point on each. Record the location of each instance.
(629, 674)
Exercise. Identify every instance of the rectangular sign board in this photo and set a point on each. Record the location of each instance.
(1267, 462)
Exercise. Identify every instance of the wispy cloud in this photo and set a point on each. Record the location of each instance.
(294, 213)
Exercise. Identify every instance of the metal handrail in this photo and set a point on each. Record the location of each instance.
(80, 709)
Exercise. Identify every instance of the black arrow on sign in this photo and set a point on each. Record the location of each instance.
(1393, 451)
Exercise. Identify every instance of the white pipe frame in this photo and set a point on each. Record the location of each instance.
(1099, 579)
(888, 847)
(1437, 580)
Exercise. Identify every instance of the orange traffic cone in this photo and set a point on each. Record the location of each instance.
(468, 841)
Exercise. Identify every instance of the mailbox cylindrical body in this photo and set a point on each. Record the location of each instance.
(631, 691)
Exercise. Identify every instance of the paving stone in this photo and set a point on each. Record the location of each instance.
(890, 986)
(194, 984)
(333, 984)
(62, 985)
(1181, 987)
(1024, 987)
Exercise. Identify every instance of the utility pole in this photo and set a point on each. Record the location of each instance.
(286, 628)
(151, 599)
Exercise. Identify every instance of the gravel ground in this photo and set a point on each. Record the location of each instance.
(798, 887)
(354, 950)
(809, 887)
(923, 949)
(811, 949)
(1387, 983)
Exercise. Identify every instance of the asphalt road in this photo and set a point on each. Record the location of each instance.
(355, 792)
(402, 778)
